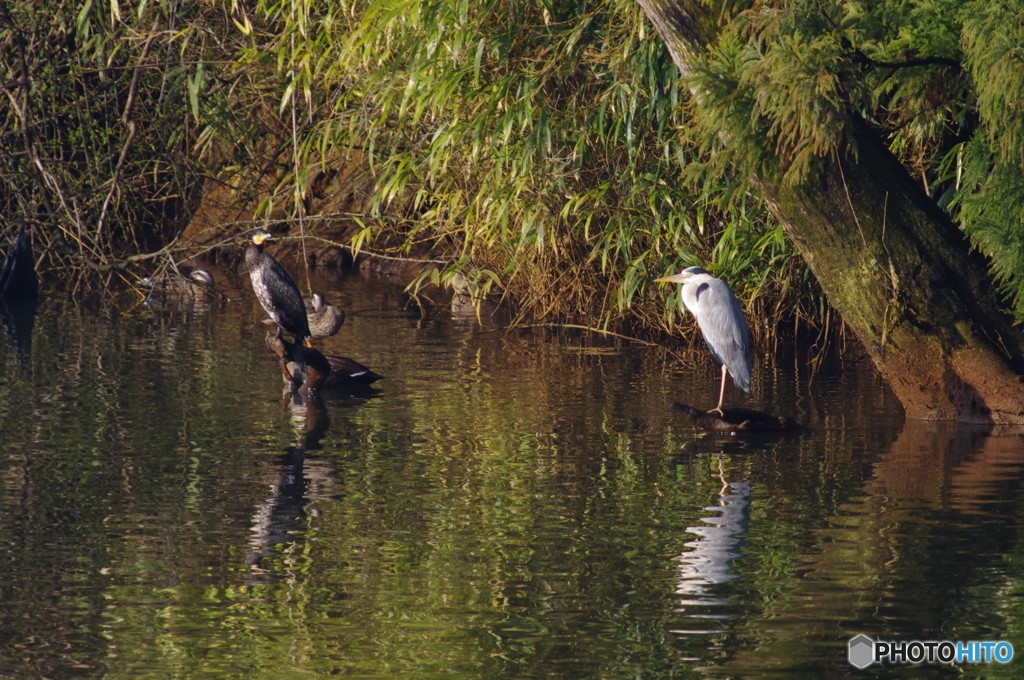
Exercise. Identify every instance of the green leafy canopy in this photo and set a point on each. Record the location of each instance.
(537, 144)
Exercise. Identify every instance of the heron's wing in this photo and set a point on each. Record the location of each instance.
(721, 321)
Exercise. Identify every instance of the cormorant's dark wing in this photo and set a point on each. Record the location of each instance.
(280, 296)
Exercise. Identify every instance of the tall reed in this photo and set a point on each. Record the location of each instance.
(536, 145)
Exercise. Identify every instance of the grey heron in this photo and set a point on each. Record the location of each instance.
(721, 322)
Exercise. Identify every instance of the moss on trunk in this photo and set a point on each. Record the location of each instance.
(904, 278)
(893, 265)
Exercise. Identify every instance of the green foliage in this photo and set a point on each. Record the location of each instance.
(535, 146)
(991, 200)
(532, 142)
(547, 149)
(95, 133)
(942, 81)
(800, 71)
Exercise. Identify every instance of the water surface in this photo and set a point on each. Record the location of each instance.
(517, 505)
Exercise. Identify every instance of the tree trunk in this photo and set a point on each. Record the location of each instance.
(898, 271)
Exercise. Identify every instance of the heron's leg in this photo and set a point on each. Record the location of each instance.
(721, 395)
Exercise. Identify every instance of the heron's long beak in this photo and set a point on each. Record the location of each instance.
(675, 278)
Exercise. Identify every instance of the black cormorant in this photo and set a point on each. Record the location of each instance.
(277, 292)
(18, 276)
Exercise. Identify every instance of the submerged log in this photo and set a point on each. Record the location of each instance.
(735, 420)
(322, 371)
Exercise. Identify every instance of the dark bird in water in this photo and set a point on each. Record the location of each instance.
(18, 276)
(345, 371)
(320, 370)
(721, 322)
(313, 370)
(324, 318)
(277, 292)
(19, 293)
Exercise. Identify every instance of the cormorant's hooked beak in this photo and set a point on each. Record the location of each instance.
(681, 277)
(259, 236)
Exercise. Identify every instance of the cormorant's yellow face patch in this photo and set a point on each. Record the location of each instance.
(259, 237)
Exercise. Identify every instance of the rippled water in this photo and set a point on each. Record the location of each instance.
(517, 505)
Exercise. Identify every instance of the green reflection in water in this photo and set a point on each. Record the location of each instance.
(502, 506)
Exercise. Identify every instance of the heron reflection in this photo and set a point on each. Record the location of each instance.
(718, 544)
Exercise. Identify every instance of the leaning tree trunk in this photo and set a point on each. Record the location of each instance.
(892, 264)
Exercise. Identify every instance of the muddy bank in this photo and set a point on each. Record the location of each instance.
(335, 209)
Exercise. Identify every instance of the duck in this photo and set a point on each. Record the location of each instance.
(186, 284)
(321, 370)
(324, 318)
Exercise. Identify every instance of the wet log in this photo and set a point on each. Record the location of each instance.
(736, 420)
(322, 371)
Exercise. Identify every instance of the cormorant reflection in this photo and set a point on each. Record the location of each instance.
(18, 318)
(295, 482)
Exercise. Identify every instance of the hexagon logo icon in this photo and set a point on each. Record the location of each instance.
(862, 651)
